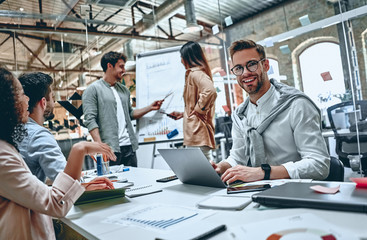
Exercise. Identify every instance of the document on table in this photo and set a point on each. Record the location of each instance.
(157, 217)
(302, 226)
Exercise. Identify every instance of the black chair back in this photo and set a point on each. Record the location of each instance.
(336, 172)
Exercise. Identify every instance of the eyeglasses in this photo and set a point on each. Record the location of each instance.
(251, 66)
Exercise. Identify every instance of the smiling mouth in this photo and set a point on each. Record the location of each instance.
(249, 80)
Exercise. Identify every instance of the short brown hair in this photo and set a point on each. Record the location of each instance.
(113, 58)
(246, 44)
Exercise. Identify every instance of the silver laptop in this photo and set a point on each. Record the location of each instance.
(349, 198)
(192, 167)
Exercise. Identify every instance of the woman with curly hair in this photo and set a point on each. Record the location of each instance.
(26, 203)
(199, 97)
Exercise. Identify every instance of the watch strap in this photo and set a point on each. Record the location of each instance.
(266, 168)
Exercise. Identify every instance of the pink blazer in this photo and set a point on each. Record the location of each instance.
(27, 204)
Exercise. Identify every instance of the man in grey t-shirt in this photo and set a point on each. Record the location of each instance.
(39, 149)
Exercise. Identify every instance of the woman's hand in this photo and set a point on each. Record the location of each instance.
(99, 148)
(79, 150)
(98, 183)
(175, 115)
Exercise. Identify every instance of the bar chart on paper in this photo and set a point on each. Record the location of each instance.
(157, 217)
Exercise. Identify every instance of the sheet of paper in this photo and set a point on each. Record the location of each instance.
(157, 217)
(303, 226)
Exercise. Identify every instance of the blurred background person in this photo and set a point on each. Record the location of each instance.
(199, 97)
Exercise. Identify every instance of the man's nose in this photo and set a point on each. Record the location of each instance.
(245, 72)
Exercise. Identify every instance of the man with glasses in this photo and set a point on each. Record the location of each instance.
(276, 131)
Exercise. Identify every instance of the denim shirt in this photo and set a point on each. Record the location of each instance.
(41, 152)
(100, 111)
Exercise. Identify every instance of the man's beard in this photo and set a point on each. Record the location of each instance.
(48, 114)
(260, 83)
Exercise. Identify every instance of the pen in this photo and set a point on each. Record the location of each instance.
(211, 233)
(125, 169)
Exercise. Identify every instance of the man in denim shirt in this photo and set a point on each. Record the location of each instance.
(108, 112)
(39, 149)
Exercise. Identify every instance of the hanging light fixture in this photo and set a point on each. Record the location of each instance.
(191, 24)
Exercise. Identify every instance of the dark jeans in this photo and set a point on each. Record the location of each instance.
(126, 156)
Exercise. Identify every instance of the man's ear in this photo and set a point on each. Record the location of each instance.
(109, 65)
(266, 65)
(43, 103)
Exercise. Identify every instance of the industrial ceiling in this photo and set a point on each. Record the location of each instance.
(65, 37)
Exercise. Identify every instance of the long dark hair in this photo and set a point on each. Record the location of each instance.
(193, 56)
(11, 127)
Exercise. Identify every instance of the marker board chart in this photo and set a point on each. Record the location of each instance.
(160, 75)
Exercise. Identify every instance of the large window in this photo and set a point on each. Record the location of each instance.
(322, 72)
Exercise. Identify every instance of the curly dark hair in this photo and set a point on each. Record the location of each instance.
(12, 129)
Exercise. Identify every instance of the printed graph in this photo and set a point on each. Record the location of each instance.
(157, 217)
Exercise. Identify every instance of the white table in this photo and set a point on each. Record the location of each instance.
(86, 219)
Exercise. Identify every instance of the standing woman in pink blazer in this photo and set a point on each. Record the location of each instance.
(199, 97)
(27, 204)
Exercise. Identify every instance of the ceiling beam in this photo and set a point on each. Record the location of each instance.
(5, 40)
(111, 16)
(72, 10)
(69, 6)
(204, 24)
(165, 9)
(93, 32)
(31, 52)
(54, 37)
(23, 68)
(35, 55)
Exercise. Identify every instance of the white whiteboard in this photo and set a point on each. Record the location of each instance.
(157, 74)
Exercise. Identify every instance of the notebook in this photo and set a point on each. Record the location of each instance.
(192, 167)
(349, 198)
(100, 195)
(141, 191)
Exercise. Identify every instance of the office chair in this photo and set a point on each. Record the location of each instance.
(336, 171)
(343, 123)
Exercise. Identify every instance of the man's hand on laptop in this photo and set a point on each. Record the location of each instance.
(221, 167)
(243, 173)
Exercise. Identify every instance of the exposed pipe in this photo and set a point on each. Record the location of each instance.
(166, 8)
(46, 29)
(191, 23)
